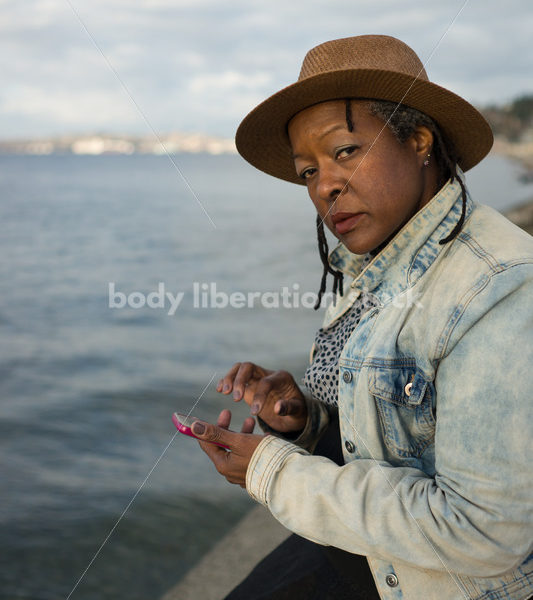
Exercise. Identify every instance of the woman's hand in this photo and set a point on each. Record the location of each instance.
(233, 464)
(273, 395)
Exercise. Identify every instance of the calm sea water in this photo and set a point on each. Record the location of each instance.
(88, 390)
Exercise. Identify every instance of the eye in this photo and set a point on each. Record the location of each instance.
(306, 173)
(346, 151)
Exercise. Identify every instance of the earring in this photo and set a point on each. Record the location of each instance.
(426, 162)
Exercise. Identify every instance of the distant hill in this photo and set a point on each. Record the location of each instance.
(514, 121)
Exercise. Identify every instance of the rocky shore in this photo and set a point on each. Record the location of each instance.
(521, 152)
(522, 216)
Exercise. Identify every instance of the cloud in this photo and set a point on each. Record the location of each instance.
(68, 107)
(209, 83)
(202, 64)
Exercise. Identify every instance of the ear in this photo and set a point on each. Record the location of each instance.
(422, 143)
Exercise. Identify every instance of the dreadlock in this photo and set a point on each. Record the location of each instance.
(349, 120)
(402, 121)
(323, 250)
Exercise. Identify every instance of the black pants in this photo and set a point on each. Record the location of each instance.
(302, 570)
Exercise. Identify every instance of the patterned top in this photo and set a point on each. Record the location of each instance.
(322, 376)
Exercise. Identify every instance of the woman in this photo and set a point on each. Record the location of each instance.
(425, 356)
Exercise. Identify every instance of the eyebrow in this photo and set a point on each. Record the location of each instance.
(324, 134)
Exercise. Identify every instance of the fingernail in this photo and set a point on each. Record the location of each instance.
(236, 394)
(254, 409)
(226, 388)
(198, 428)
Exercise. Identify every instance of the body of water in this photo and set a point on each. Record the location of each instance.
(88, 390)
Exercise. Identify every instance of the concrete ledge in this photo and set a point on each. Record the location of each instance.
(230, 561)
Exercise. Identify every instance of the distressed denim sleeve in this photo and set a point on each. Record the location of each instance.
(474, 516)
(318, 417)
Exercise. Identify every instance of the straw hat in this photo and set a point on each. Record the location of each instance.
(366, 66)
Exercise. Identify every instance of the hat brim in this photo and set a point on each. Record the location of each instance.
(262, 136)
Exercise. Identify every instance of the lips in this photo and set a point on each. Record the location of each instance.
(344, 221)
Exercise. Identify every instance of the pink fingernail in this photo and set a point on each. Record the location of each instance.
(198, 428)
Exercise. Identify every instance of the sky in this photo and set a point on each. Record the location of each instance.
(201, 65)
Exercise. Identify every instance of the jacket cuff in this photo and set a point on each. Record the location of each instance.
(266, 461)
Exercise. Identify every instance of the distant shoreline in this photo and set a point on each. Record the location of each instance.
(520, 152)
(99, 144)
(521, 214)
(189, 143)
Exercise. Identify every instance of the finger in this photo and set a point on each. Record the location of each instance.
(215, 453)
(244, 374)
(289, 407)
(224, 419)
(227, 380)
(207, 432)
(264, 387)
(248, 425)
(222, 461)
(235, 480)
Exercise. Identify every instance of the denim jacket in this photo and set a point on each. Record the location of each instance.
(435, 412)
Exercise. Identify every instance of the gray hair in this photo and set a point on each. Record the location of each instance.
(402, 120)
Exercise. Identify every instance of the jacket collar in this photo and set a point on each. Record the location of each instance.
(412, 250)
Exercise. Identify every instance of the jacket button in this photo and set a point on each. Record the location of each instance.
(347, 376)
(391, 580)
(407, 389)
(349, 446)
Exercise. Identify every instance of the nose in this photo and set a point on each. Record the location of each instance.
(330, 182)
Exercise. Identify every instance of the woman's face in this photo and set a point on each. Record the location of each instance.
(364, 183)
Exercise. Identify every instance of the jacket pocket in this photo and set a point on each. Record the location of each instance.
(404, 401)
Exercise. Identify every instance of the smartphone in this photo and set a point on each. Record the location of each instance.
(184, 423)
